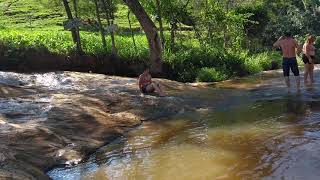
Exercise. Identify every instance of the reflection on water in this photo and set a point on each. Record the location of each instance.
(259, 138)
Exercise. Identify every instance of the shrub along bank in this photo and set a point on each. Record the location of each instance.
(187, 64)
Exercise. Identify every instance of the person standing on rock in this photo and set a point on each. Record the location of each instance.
(290, 48)
(308, 57)
(146, 85)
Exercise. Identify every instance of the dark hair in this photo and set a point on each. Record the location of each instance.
(287, 34)
(146, 67)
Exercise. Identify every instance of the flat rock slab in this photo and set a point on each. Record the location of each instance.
(58, 118)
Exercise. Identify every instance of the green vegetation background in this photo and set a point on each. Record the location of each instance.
(28, 24)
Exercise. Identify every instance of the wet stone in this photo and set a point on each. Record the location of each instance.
(58, 118)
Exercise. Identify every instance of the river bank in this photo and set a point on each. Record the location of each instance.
(38, 51)
(47, 62)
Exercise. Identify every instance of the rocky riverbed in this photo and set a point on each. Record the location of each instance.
(58, 118)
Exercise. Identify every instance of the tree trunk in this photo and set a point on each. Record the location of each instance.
(151, 33)
(104, 44)
(109, 14)
(74, 32)
(160, 23)
(75, 6)
(173, 27)
(132, 34)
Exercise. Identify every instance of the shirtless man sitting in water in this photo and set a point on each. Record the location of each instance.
(146, 85)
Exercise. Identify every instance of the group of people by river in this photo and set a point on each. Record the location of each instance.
(290, 49)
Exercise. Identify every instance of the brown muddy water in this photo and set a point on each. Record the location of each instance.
(254, 130)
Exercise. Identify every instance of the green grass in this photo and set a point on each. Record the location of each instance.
(42, 14)
(30, 14)
(60, 42)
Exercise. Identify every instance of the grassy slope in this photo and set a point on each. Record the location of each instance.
(23, 12)
(35, 14)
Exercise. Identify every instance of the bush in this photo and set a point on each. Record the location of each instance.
(264, 60)
(187, 64)
(252, 66)
(211, 75)
(190, 64)
(60, 42)
(317, 45)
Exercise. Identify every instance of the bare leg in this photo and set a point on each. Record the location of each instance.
(311, 73)
(297, 78)
(157, 89)
(287, 80)
(306, 73)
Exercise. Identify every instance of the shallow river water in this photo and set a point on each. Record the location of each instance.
(254, 130)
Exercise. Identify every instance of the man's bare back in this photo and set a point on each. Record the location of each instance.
(289, 47)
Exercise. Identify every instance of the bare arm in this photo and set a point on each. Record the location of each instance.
(298, 47)
(277, 43)
(140, 81)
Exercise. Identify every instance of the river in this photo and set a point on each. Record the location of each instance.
(250, 128)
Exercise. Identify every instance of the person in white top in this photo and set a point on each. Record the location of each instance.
(308, 58)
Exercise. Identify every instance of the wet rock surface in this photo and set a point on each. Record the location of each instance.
(247, 128)
(58, 118)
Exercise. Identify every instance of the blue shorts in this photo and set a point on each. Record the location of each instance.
(290, 63)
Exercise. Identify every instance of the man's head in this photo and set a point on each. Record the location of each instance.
(287, 34)
(146, 69)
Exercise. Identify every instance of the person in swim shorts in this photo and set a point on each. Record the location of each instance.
(290, 48)
(146, 85)
(308, 57)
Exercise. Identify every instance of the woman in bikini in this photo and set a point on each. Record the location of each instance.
(146, 84)
(308, 58)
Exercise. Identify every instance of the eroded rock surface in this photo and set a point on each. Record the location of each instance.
(57, 118)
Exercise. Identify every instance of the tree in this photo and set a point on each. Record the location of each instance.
(76, 14)
(151, 33)
(176, 13)
(74, 32)
(132, 34)
(104, 44)
(159, 13)
(300, 16)
(109, 9)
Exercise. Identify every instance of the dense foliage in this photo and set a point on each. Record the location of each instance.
(203, 40)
